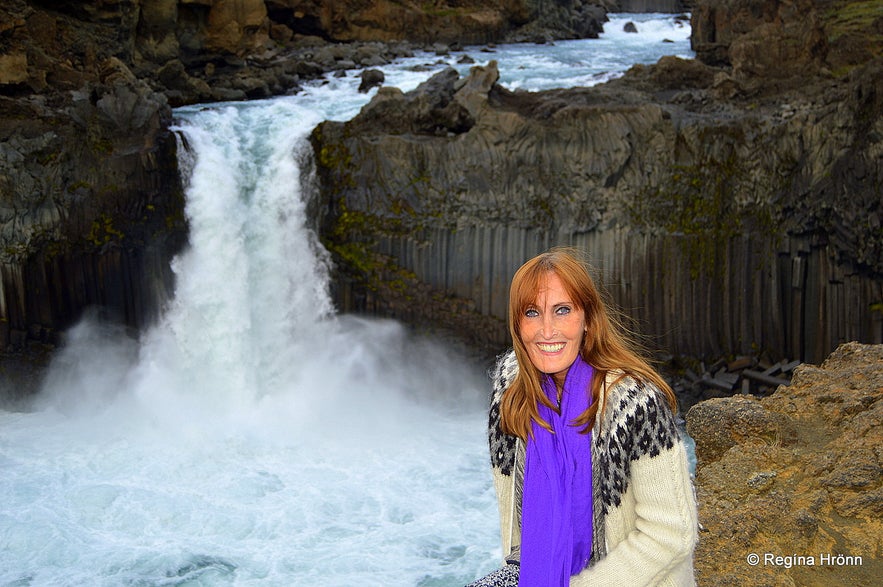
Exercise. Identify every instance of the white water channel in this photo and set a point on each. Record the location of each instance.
(254, 436)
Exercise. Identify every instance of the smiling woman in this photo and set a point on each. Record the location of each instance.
(589, 468)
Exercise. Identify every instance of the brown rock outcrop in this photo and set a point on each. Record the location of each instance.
(784, 38)
(462, 22)
(730, 421)
(237, 26)
(795, 478)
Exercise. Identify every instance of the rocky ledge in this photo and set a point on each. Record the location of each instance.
(795, 479)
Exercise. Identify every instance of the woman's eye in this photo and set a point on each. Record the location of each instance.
(531, 313)
(563, 310)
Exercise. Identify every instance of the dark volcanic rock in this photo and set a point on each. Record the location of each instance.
(371, 78)
(90, 203)
(781, 129)
(691, 166)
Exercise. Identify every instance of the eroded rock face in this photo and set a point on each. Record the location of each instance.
(778, 39)
(723, 423)
(237, 26)
(798, 473)
(458, 150)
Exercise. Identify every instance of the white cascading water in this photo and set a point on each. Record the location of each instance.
(254, 436)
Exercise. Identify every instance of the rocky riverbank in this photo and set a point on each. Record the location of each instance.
(794, 479)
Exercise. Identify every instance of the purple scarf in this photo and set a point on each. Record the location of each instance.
(556, 519)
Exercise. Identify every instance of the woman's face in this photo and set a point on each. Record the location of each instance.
(552, 329)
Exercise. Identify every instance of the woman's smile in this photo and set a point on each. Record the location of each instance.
(551, 347)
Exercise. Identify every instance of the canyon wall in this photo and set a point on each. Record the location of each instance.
(728, 207)
(91, 204)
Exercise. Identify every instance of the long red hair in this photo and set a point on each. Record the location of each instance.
(607, 344)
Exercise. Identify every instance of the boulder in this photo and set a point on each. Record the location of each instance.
(717, 425)
(808, 504)
(371, 78)
(435, 107)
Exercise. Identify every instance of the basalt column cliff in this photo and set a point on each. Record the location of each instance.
(729, 202)
(732, 203)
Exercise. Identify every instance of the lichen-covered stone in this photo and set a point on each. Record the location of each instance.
(719, 424)
(820, 494)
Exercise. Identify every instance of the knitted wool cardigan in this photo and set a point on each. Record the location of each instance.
(645, 519)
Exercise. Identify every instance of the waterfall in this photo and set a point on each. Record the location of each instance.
(253, 285)
(253, 436)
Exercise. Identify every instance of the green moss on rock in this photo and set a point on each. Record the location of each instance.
(700, 202)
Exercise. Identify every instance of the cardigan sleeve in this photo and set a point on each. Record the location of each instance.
(660, 499)
(506, 457)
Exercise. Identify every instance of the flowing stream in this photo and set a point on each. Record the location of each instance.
(254, 436)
